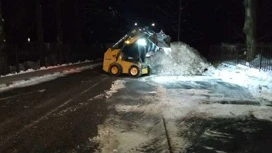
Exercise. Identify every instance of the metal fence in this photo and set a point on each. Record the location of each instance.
(32, 55)
(238, 54)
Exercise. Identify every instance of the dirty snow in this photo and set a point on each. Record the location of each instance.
(35, 67)
(117, 85)
(39, 79)
(174, 105)
(138, 126)
(31, 81)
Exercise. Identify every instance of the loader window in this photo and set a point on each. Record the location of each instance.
(131, 53)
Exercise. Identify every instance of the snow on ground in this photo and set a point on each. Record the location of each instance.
(183, 60)
(227, 92)
(138, 124)
(180, 60)
(117, 85)
(39, 79)
(258, 82)
(30, 81)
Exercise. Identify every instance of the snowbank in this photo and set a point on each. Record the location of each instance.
(32, 66)
(257, 81)
(180, 60)
(39, 78)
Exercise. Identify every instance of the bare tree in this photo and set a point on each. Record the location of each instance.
(250, 27)
(3, 57)
(58, 21)
(59, 29)
(78, 23)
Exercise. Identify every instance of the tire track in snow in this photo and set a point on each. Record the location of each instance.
(142, 129)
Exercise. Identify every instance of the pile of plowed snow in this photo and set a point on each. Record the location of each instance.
(180, 60)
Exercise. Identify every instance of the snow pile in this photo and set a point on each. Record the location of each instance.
(180, 60)
(258, 82)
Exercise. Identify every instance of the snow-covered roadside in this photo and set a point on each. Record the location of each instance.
(31, 81)
(44, 68)
(47, 77)
(258, 82)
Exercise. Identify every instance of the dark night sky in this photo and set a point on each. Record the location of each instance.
(203, 22)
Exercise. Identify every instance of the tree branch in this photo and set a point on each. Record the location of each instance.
(164, 12)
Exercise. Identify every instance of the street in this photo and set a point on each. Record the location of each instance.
(93, 112)
(54, 116)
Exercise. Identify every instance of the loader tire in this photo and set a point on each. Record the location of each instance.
(134, 71)
(115, 70)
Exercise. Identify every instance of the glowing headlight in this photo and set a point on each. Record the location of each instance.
(141, 42)
(127, 42)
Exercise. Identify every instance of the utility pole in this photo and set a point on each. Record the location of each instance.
(179, 19)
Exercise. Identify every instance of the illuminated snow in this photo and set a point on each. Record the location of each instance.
(258, 82)
(181, 59)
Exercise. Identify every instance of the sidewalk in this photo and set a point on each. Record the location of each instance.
(42, 75)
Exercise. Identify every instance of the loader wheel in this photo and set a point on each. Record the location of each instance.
(115, 70)
(134, 71)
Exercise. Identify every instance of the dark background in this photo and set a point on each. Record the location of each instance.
(203, 23)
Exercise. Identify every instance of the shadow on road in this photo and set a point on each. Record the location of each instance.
(229, 135)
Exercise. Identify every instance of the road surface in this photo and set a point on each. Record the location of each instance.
(91, 111)
(55, 116)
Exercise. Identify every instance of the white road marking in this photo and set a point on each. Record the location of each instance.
(28, 93)
(92, 86)
(5, 98)
(45, 116)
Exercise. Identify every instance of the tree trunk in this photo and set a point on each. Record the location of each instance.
(250, 27)
(59, 30)
(40, 36)
(3, 56)
(78, 23)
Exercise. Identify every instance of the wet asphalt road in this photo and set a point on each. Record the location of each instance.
(62, 116)
(55, 116)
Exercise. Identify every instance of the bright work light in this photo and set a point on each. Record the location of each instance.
(141, 42)
(127, 42)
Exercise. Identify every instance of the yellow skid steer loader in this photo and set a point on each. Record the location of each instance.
(128, 55)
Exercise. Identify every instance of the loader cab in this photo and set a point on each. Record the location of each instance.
(131, 53)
